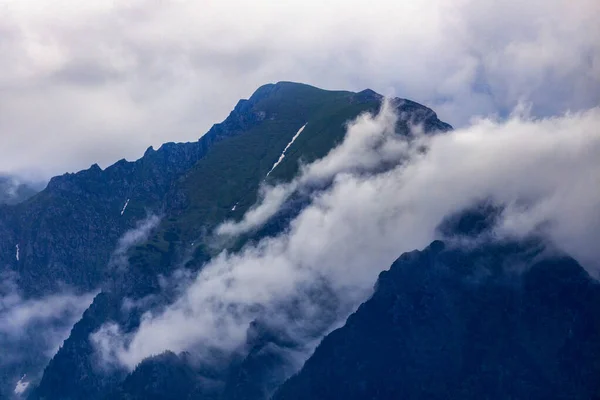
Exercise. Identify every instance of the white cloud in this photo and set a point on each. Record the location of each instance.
(96, 81)
(272, 198)
(22, 319)
(32, 329)
(131, 238)
(545, 171)
(17, 314)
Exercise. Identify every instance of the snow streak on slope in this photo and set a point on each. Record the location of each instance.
(282, 156)
(125, 206)
(17, 254)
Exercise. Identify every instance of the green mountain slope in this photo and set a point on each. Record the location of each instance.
(232, 172)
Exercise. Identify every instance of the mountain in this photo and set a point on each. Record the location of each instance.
(496, 322)
(470, 316)
(67, 234)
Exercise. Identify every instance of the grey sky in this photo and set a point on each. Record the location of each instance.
(100, 80)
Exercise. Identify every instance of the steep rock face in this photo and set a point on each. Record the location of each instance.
(499, 321)
(229, 174)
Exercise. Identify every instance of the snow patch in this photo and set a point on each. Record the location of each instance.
(21, 385)
(282, 156)
(124, 207)
(17, 254)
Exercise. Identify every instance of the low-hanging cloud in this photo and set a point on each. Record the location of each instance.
(271, 200)
(14, 190)
(31, 331)
(18, 314)
(98, 81)
(544, 171)
(133, 237)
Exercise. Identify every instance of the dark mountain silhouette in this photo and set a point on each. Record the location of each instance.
(499, 321)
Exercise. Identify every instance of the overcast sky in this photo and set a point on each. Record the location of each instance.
(98, 80)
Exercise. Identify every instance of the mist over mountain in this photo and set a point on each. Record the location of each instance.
(254, 263)
(13, 190)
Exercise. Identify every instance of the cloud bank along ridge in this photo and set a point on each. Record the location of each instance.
(543, 171)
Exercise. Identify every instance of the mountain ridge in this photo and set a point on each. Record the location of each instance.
(190, 186)
(447, 321)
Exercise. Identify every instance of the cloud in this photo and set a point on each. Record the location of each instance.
(272, 198)
(18, 314)
(56, 312)
(542, 170)
(16, 189)
(99, 81)
(131, 238)
(31, 331)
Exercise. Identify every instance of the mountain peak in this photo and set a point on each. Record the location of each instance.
(68, 234)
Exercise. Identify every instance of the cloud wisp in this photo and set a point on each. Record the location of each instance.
(132, 237)
(31, 331)
(544, 171)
